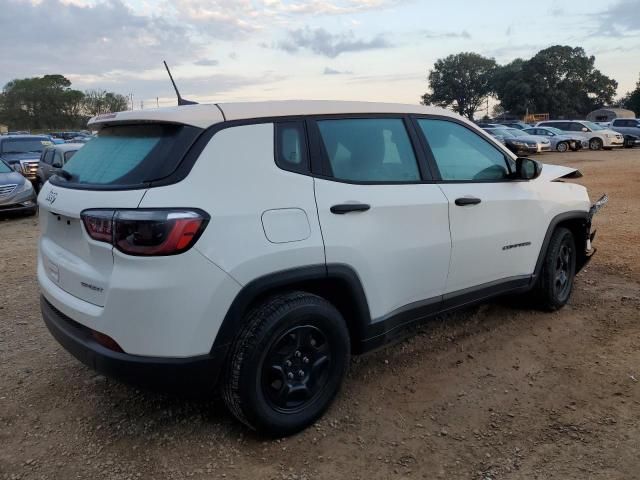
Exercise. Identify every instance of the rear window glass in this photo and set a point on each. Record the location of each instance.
(24, 145)
(129, 155)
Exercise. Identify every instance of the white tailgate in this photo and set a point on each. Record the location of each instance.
(71, 259)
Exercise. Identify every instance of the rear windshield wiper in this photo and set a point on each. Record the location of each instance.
(64, 174)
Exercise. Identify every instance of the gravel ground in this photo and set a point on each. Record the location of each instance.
(493, 392)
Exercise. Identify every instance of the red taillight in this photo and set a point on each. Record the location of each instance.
(99, 224)
(106, 341)
(146, 232)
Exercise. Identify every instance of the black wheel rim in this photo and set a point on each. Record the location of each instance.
(296, 368)
(563, 271)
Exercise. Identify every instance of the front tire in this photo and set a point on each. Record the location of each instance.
(562, 147)
(558, 271)
(287, 364)
(595, 144)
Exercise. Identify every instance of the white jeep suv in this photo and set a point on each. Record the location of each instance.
(256, 246)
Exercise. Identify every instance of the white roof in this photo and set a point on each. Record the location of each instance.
(205, 115)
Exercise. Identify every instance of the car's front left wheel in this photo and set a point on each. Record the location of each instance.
(287, 364)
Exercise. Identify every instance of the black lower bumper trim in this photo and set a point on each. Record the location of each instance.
(198, 373)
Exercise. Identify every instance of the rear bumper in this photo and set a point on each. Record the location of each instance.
(199, 372)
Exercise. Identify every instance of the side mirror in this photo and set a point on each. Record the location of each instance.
(527, 169)
(585, 129)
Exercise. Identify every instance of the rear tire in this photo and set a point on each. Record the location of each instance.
(287, 364)
(562, 147)
(558, 271)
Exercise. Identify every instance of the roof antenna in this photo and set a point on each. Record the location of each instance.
(181, 101)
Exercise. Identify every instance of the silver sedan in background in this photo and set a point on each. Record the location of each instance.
(560, 141)
(16, 192)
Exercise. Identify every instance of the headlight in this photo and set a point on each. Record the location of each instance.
(26, 186)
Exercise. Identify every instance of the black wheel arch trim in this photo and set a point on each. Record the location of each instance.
(573, 215)
(297, 278)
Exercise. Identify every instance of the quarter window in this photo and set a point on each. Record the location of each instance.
(461, 154)
(369, 150)
(291, 147)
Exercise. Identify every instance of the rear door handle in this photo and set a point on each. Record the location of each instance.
(343, 208)
(462, 201)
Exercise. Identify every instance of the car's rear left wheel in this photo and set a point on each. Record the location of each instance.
(287, 364)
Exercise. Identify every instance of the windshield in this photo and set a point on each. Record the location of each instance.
(503, 132)
(555, 130)
(593, 126)
(24, 145)
(4, 168)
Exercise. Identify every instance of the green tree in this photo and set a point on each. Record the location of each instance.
(632, 100)
(97, 102)
(558, 80)
(461, 81)
(41, 103)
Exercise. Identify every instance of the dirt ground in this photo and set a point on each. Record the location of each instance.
(494, 392)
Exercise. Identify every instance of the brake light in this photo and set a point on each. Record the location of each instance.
(146, 232)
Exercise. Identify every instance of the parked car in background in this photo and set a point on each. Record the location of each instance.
(629, 126)
(22, 152)
(520, 142)
(631, 141)
(597, 136)
(53, 158)
(560, 141)
(515, 124)
(16, 192)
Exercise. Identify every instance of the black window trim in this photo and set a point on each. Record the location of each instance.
(431, 158)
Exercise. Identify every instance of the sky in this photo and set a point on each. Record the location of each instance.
(246, 50)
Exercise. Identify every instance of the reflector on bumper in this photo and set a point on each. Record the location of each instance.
(597, 206)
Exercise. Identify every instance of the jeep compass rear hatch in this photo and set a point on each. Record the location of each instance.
(107, 176)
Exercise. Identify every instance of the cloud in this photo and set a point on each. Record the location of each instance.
(54, 36)
(331, 71)
(432, 34)
(621, 19)
(205, 62)
(322, 42)
(157, 84)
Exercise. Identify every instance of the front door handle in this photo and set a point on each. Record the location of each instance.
(462, 201)
(343, 208)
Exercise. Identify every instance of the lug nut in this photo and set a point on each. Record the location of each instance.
(287, 363)
(305, 360)
(300, 373)
(313, 342)
(298, 354)
(290, 376)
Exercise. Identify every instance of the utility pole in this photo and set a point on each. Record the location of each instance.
(131, 100)
(157, 102)
(141, 104)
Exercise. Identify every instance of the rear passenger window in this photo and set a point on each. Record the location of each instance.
(291, 147)
(369, 150)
